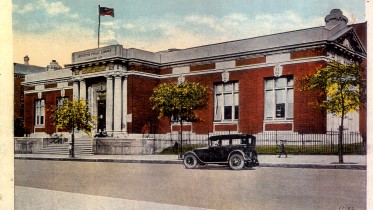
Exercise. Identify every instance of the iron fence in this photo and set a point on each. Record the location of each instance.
(303, 143)
(267, 142)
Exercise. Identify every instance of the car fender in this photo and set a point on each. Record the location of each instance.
(193, 153)
(240, 152)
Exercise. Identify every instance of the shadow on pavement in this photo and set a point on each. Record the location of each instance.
(220, 167)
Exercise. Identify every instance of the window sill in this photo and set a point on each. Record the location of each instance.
(278, 121)
(226, 122)
(178, 123)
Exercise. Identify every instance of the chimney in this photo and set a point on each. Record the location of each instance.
(53, 66)
(26, 59)
(335, 19)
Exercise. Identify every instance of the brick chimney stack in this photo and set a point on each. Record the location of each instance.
(26, 60)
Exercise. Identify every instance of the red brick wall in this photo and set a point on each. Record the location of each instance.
(143, 68)
(279, 127)
(29, 88)
(307, 118)
(178, 128)
(51, 85)
(50, 105)
(250, 61)
(308, 53)
(361, 31)
(226, 127)
(69, 93)
(251, 117)
(140, 90)
(18, 96)
(206, 115)
(363, 108)
(251, 98)
(50, 98)
(29, 117)
(166, 70)
(202, 67)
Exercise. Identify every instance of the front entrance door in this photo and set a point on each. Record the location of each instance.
(101, 114)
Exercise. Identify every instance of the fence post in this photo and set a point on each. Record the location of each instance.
(364, 145)
(302, 142)
(332, 142)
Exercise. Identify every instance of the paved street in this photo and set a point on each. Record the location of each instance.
(173, 187)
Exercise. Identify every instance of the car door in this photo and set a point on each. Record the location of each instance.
(210, 154)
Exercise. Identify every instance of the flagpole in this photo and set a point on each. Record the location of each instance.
(99, 22)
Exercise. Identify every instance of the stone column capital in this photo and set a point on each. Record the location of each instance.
(109, 76)
(118, 74)
(75, 79)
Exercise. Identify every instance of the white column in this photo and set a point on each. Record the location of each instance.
(109, 104)
(76, 90)
(117, 103)
(83, 90)
(90, 100)
(124, 100)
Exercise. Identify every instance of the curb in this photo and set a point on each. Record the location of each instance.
(103, 160)
(316, 166)
(278, 165)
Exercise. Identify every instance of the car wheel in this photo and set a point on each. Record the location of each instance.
(236, 162)
(190, 161)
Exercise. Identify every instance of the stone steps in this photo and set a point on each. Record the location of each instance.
(81, 147)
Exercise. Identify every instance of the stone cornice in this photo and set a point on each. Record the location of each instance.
(41, 82)
(47, 90)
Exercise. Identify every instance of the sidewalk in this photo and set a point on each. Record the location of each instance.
(358, 162)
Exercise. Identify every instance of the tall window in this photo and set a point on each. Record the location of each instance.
(226, 106)
(39, 112)
(279, 98)
(61, 101)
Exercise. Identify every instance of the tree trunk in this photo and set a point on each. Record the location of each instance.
(72, 144)
(340, 140)
(181, 138)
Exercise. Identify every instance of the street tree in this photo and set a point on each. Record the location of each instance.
(180, 101)
(73, 115)
(341, 88)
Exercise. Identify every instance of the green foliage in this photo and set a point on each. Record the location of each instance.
(339, 85)
(342, 90)
(74, 115)
(180, 100)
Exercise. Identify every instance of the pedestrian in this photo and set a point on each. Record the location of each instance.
(282, 149)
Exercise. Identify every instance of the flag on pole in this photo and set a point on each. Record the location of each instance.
(105, 11)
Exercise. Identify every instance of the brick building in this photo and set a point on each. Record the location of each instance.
(20, 71)
(253, 83)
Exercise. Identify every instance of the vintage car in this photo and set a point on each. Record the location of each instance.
(235, 150)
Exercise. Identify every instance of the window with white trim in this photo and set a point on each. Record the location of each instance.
(226, 104)
(279, 98)
(61, 101)
(39, 112)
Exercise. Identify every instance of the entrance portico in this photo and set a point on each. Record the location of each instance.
(103, 84)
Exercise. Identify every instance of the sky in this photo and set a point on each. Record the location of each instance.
(47, 30)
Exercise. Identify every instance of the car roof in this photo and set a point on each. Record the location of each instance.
(230, 136)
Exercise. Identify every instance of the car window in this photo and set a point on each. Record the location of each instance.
(236, 141)
(225, 142)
